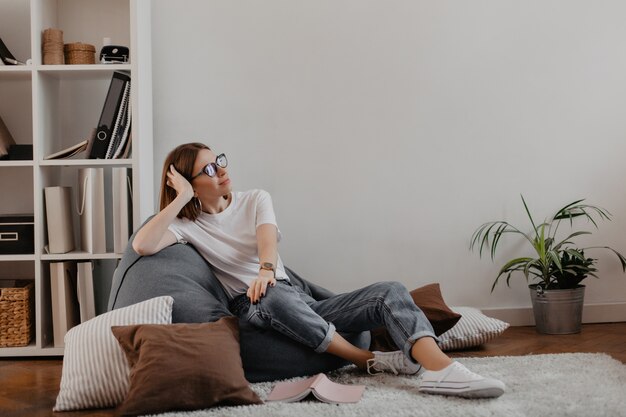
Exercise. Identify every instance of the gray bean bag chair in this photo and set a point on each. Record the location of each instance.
(179, 271)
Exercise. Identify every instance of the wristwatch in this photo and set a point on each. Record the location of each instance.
(268, 266)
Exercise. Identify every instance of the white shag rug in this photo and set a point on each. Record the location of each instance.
(568, 384)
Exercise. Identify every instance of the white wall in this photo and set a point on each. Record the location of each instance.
(387, 131)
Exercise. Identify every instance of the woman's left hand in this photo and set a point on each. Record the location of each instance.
(258, 287)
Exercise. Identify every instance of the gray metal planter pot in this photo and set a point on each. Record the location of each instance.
(557, 311)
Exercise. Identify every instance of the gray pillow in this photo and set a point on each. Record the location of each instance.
(179, 271)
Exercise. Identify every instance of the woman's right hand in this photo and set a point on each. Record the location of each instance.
(179, 183)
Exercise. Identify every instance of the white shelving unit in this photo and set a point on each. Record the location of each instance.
(55, 106)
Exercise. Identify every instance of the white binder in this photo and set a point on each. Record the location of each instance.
(84, 289)
(65, 313)
(122, 125)
(59, 219)
(122, 207)
(91, 209)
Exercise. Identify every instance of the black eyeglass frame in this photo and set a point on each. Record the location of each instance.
(213, 165)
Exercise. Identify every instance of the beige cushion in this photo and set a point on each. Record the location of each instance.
(183, 367)
(95, 371)
(472, 330)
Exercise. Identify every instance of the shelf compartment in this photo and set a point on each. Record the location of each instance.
(70, 106)
(16, 31)
(16, 105)
(109, 19)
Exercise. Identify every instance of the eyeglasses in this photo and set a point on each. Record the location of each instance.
(211, 168)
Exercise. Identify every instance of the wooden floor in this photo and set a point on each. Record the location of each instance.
(28, 387)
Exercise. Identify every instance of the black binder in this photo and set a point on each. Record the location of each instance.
(112, 116)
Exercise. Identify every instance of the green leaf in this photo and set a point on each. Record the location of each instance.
(497, 235)
(619, 256)
(554, 257)
(575, 253)
(515, 262)
(529, 216)
(509, 267)
(566, 240)
(568, 206)
(486, 238)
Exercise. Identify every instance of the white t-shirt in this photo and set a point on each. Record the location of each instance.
(227, 240)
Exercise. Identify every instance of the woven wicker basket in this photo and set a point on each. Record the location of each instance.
(79, 53)
(16, 314)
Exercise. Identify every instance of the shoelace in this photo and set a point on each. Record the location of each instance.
(371, 363)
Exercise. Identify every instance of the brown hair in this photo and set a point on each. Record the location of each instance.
(183, 158)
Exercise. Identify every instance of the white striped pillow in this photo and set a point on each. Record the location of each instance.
(95, 370)
(473, 329)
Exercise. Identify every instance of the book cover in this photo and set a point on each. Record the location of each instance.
(65, 314)
(111, 116)
(59, 219)
(319, 386)
(121, 192)
(91, 210)
(85, 293)
(69, 152)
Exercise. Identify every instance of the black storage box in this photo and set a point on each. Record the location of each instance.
(17, 234)
(19, 153)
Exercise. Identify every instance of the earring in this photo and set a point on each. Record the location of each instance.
(197, 203)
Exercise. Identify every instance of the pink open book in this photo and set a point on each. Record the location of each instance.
(321, 387)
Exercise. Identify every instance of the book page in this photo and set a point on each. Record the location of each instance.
(331, 392)
(292, 391)
(322, 388)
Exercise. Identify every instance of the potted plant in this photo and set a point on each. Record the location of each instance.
(556, 266)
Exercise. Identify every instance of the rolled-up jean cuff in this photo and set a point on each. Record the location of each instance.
(321, 348)
(411, 341)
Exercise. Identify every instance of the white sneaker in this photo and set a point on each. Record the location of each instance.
(396, 362)
(456, 379)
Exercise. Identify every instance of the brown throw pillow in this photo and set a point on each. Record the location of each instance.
(428, 298)
(183, 366)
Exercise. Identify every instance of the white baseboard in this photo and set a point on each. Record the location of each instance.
(592, 313)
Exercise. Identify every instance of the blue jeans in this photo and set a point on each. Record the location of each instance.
(292, 312)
